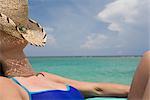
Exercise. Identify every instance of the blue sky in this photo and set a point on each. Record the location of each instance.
(91, 27)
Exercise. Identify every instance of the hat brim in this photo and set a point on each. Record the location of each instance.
(34, 33)
(8, 26)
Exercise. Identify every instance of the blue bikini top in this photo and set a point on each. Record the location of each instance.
(70, 94)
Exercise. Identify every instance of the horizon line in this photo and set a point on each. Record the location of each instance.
(92, 56)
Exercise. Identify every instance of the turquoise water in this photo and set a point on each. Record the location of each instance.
(93, 69)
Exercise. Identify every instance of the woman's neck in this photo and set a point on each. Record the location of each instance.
(15, 64)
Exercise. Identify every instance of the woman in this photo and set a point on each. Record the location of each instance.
(139, 88)
(16, 30)
(15, 64)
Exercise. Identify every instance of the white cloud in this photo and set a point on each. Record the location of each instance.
(94, 41)
(49, 29)
(127, 28)
(114, 27)
(120, 12)
(130, 19)
(51, 40)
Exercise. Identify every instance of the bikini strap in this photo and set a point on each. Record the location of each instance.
(16, 81)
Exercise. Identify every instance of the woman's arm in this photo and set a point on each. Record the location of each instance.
(8, 90)
(89, 89)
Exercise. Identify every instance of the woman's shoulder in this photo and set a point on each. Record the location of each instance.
(8, 90)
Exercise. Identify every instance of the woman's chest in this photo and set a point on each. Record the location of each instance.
(36, 84)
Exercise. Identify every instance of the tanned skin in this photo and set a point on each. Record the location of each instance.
(140, 87)
(12, 57)
(15, 64)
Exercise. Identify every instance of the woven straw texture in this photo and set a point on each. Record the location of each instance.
(14, 21)
(17, 10)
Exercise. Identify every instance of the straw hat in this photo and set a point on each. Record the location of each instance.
(15, 22)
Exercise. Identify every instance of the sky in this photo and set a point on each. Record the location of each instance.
(92, 27)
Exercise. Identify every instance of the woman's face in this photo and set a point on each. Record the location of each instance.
(8, 42)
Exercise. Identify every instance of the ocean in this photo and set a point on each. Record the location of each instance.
(91, 69)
